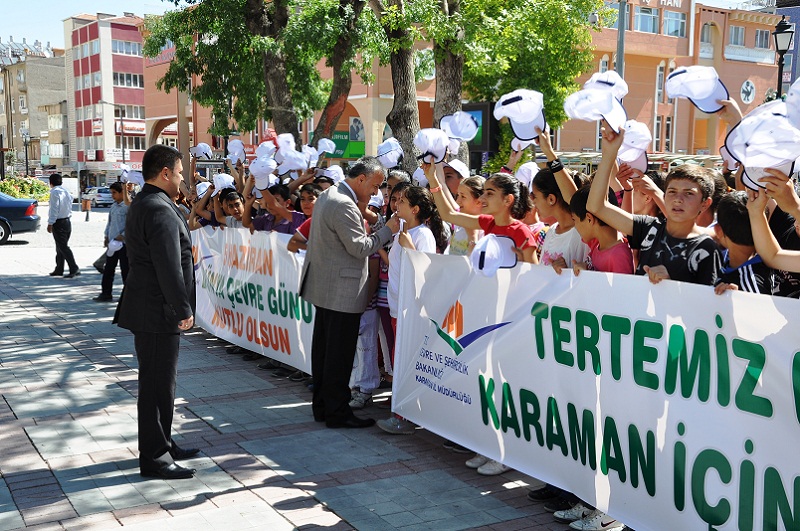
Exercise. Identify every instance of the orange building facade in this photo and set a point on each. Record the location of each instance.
(662, 35)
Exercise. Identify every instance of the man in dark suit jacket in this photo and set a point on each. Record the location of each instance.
(157, 304)
(334, 280)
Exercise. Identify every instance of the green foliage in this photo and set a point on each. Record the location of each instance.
(25, 188)
(542, 45)
(229, 59)
(500, 158)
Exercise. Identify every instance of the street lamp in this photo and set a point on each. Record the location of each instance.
(783, 40)
(121, 126)
(26, 139)
(622, 23)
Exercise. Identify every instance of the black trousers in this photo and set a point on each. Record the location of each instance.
(158, 369)
(121, 257)
(62, 230)
(333, 347)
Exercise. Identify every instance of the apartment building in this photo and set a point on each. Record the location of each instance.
(105, 80)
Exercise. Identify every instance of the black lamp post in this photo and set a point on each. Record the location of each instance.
(783, 40)
(26, 139)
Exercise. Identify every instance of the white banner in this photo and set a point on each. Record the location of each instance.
(664, 405)
(248, 293)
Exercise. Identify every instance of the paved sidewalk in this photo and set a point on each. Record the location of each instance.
(68, 438)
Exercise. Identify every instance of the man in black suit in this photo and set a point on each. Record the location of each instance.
(157, 304)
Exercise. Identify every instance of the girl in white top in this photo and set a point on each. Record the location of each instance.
(468, 201)
(423, 230)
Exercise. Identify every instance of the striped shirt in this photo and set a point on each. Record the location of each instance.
(753, 276)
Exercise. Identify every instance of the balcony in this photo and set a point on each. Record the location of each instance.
(706, 50)
(749, 55)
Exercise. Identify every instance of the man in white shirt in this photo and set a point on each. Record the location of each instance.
(60, 226)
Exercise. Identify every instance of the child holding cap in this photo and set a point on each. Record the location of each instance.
(673, 249)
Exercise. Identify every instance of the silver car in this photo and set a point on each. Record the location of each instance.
(100, 197)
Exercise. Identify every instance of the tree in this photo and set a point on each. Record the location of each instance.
(543, 45)
(259, 60)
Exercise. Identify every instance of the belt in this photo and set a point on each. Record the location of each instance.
(62, 219)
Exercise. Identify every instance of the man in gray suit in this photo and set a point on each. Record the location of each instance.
(334, 280)
(157, 304)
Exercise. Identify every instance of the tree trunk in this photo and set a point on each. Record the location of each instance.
(260, 21)
(342, 77)
(404, 116)
(449, 75)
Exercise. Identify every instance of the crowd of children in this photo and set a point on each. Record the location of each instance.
(693, 224)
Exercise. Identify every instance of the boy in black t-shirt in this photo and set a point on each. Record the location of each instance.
(742, 268)
(674, 249)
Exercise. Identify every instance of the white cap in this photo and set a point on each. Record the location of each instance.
(222, 181)
(419, 177)
(201, 188)
(134, 177)
(285, 143)
(262, 169)
(731, 162)
(634, 145)
(236, 156)
(608, 80)
(700, 84)
(525, 112)
(461, 126)
(335, 173)
(460, 167)
(376, 200)
(235, 145)
(390, 152)
(292, 160)
(433, 144)
(764, 139)
(595, 104)
(491, 253)
(266, 149)
(312, 154)
(526, 172)
(640, 162)
(793, 104)
(113, 247)
(326, 145)
(201, 150)
(519, 145)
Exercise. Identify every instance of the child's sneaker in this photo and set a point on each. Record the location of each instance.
(576, 512)
(597, 521)
(477, 461)
(492, 468)
(359, 400)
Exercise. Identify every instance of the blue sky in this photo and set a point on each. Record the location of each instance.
(43, 19)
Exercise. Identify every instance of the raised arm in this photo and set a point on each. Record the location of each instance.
(766, 244)
(307, 177)
(218, 212)
(565, 183)
(446, 210)
(597, 202)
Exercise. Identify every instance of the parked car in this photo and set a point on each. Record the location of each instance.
(99, 197)
(17, 216)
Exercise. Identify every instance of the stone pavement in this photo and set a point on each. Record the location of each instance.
(68, 436)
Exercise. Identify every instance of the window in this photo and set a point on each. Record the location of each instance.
(23, 103)
(55, 122)
(128, 80)
(674, 24)
(646, 19)
(133, 143)
(21, 76)
(85, 49)
(77, 83)
(660, 82)
(76, 53)
(668, 134)
(671, 70)
(762, 39)
(79, 114)
(736, 35)
(603, 64)
(657, 135)
(705, 34)
(87, 81)
(126, 48)
(627, 16)
(98, 79)
(95, 46)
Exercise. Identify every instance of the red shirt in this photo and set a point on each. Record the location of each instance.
(305, 228)
(517, 230)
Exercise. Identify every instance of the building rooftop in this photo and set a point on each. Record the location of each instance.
(12, 52)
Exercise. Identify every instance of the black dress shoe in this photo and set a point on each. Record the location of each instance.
(351, 422)
(72, 274)
(103, 298)
(179, 454)
(57, 273)
(170, 471)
